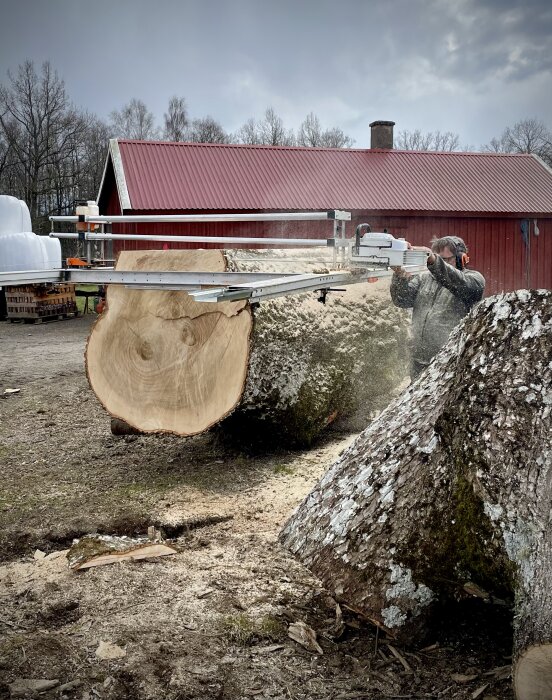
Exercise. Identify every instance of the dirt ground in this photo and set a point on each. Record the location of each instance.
(211, 621)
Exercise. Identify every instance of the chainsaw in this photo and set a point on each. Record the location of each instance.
(382, 250)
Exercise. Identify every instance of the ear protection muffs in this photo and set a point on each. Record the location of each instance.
(462, 260)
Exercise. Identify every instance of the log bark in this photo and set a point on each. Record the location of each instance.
(119, 427)
(450, 489)
(161, 362)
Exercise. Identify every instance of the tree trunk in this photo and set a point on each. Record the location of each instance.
(162, 362)
(451, 486)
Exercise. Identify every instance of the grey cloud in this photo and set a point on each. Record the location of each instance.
(425, 63)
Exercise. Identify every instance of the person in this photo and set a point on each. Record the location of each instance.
(439, 298)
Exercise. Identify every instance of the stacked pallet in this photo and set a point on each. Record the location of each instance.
(41, 302)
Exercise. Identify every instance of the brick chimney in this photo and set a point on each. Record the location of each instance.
(381, 134)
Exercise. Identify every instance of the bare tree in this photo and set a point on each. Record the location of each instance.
(93, 157)
(418, 140)
(525, 136)
(207, 130)
(133, 121)
(40, 128)
(5, 153)
(176, 120)
(269, 131)
(310, 132)
(272, 131)
(335, 138)
(446, 141)
(248, 133)
(412, 140)
(495, 145)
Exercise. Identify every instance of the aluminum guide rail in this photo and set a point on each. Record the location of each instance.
(294, 284)
(331, 215)
(224, 286)
(137, 279)
(274, 242)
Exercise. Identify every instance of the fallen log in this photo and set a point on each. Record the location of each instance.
(450, 489)
(161, 362)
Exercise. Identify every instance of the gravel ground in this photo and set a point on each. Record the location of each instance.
(211, 621)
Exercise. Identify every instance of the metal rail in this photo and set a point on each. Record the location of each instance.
(332, 215)
(274, 242)
(141, 279)
(203, 286)
(293, 284)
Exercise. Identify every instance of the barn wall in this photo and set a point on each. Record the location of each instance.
(496, 245)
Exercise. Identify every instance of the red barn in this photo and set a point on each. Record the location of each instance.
(500, 204)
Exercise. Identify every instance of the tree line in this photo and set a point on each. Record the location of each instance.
(525, 136)
(52, 153)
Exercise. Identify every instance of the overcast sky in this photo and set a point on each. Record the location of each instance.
(468, 66)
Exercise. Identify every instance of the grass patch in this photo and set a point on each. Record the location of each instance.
(283, 469)
(244, 630)
(81, 301)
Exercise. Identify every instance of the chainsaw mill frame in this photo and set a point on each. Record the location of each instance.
(214, 286)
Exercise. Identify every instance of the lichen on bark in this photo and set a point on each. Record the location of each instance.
(451, 484)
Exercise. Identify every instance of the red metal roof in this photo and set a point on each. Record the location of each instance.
(180, 176)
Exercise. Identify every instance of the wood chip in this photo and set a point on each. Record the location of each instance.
(12, 391)
(304, 635)
(69, 686)
(500, 672)
(56, 555)
(339, 626)
(270, 649)
(475, 590)
(205, 593)
(108, 650)
(23, 687)
(479, 692)
(396, 653)
(463, 678)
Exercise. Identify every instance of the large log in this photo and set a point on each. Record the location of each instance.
(162, 362)
(450, 489)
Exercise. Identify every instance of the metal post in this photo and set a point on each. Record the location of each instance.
(88, 246)
(335, 235)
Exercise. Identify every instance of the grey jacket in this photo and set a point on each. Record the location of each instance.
(440, 298)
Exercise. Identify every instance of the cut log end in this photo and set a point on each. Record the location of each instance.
(161, 361)
(533, 673)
